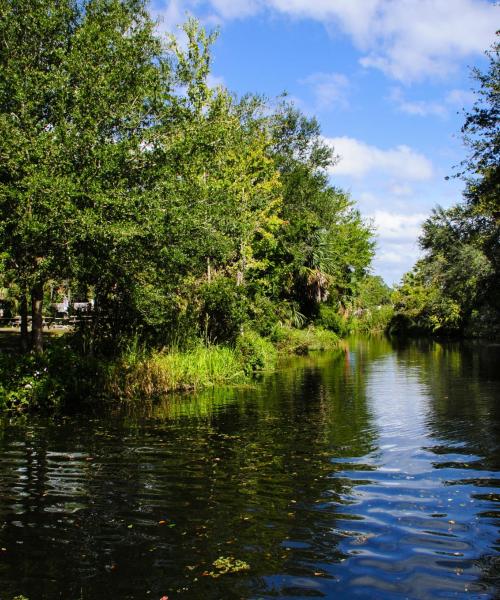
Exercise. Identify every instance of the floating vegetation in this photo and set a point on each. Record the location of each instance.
(226, 565)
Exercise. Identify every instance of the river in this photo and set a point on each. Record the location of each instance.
(369, 473)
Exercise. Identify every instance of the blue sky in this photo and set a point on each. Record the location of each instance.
(388, 81)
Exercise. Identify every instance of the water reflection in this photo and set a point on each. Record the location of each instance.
(370, 473)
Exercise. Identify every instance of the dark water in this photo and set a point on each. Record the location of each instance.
(370, 474)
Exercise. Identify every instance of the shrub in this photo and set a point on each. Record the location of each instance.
(255, 352)
(223, 311)
(330, 319)
(303, 341)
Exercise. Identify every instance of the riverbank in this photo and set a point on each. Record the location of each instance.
(62, 377)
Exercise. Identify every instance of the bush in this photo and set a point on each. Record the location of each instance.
(373, 320)
(47, 381)
(330, 319)
(303, 341)
(255, 352)
(223, 311)
(263, 315)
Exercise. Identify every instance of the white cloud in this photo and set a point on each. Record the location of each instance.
(232, 9)
(330, 89)
(215, 81)
(398, 227)
(460, 98)
(397, 236)
(400, 190)
(415, 39)
(421, 108)
(406, 39)
(357, 159)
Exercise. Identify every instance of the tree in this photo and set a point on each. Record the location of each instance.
(455, 285)
(326, 246)
(481, 133)
(77, 89)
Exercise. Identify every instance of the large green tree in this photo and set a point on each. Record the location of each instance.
(78, 86)
(326, 246)
(481, 133)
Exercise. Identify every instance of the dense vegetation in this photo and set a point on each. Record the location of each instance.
(187, 215)
(455, 287)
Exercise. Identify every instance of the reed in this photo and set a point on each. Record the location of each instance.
(162, 372)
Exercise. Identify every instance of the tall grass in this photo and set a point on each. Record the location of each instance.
(141, 374)
(302, 341)
(159, 373)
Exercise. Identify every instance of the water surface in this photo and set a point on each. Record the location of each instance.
(372, 473)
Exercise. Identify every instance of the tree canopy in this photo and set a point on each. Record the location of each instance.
(179, 208)
(455, 287)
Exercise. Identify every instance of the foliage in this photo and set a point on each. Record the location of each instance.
(303, 341)
(49, 381)
(455, 288)
(482, 135)
(372, 320)
(373, 291)
(326, 246)
(255, 352)
(188, 215)
(223, 309)
(331, 319)
(457, 277)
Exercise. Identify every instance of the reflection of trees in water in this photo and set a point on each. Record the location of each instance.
(463, 384)
(246, 473)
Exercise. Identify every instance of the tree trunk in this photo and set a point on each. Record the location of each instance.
(37, 318)
(23, 310)
(240, 274)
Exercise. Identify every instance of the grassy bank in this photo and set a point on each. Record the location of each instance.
(62, 377)
(157, 373)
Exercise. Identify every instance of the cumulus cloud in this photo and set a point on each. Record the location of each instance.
(330, 89)
(397, 236)
(423, 108)
(358, 159)
(215, 81)
(398, 227)
(406, 39)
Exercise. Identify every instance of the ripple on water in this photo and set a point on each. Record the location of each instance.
(375, 476)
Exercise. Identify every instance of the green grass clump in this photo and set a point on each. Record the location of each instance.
(159, 373)
(373, 320)
(303, 341)
(255, 353)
